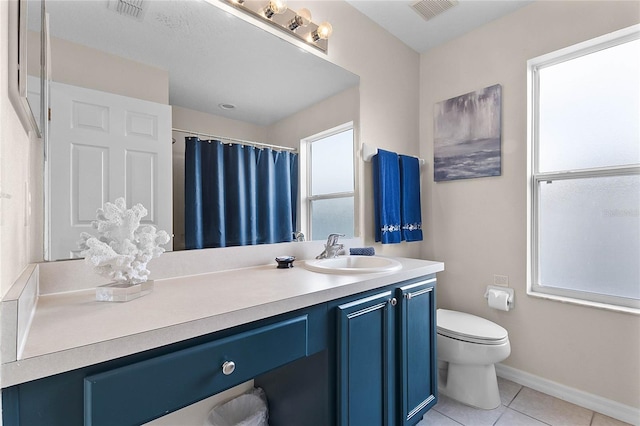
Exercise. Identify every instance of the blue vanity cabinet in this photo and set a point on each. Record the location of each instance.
(417, 357)
(365, 361)
(386, 356)
(146, 385)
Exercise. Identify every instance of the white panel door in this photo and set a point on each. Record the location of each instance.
(104, 146)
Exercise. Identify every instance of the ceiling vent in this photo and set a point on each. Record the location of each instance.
(429, 9)
(132, 8)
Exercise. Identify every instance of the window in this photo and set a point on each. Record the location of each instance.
(329, 188)
(585, 172)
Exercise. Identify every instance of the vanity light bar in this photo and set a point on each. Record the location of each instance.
(295, 23)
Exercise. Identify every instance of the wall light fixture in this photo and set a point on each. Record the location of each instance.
(277, 14)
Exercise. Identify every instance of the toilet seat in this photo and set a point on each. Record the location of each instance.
(470, 328)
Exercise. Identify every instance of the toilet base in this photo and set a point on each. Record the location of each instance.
(474, 385)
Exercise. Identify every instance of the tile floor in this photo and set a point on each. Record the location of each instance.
(520, 406)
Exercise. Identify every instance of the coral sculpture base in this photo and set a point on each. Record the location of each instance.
(122, 292)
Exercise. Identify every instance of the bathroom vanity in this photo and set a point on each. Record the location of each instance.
(346, 349)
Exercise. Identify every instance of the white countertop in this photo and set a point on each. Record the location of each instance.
(71, 330)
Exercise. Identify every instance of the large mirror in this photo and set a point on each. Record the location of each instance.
(215, 73)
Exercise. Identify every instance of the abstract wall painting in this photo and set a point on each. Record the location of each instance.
(468, 135)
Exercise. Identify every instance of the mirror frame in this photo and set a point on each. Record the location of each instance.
(18, 66)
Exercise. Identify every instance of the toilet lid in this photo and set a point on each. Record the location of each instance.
(470, 328)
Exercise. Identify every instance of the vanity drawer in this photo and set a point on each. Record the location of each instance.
(140, 392)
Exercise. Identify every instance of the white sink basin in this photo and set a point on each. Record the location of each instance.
(353, 265)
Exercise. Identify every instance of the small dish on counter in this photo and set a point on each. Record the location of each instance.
(285, 262)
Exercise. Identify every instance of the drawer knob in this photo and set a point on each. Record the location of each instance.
(228, 367)
(393, 301)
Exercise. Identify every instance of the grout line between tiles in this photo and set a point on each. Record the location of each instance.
(531, 417)
(509, 406)
(453, 420)
(515, 396)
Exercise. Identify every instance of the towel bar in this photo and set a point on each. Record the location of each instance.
(369, 151)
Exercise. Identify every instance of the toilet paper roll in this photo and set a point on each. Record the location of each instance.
(499, 300)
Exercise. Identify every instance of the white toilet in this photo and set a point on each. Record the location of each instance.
(468, 348)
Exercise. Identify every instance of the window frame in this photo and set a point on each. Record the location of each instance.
(306, 211)
(537, 178)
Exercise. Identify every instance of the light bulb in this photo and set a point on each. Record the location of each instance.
(275, 6)
(278, 6)
(305, 14)
(302, 19)
(323, 32)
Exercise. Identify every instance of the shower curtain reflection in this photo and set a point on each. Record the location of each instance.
(238, 195)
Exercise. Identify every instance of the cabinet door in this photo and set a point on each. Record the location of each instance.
(365, 342)
(417, 375)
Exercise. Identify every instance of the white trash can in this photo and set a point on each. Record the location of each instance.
(248, 409)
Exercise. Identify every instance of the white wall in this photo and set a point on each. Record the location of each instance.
(82, 66)
(20, 180)
(478, 226)
(389, 95)
(329, 113)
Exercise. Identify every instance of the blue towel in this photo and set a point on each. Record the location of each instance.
(410, 214)
(386, 197)
(362, 251)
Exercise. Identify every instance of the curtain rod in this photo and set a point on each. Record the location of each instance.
(240, 141)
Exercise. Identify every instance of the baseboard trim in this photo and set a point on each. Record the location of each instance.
(593, 402)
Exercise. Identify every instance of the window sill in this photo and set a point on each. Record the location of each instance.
(582, 302)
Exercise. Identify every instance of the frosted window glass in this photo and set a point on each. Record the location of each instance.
(590, 235)
(589, 110)
(334, 215)
(332, 164)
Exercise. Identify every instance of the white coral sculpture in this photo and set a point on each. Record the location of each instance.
(123, 248)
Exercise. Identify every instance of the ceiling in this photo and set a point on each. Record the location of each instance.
(213, 58)
(401, 20)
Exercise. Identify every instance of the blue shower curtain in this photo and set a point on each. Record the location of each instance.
(238, 195)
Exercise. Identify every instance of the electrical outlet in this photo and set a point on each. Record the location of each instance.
(501, 280)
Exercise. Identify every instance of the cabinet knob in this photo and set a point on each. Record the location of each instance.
(393, 302)
(228, 367)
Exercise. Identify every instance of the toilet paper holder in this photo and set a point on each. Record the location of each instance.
(510, 299)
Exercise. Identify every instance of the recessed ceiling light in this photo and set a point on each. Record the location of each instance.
(227, 106)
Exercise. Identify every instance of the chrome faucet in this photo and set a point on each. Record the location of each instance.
(332, 248)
